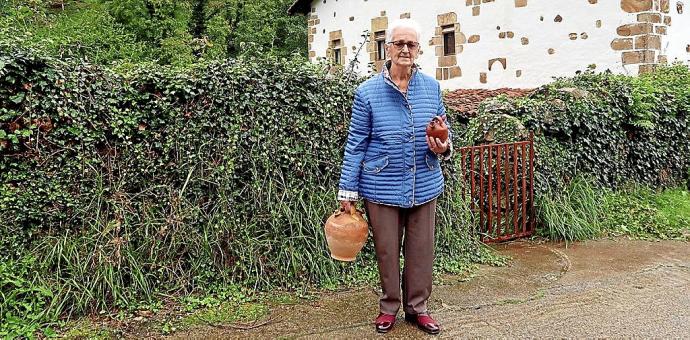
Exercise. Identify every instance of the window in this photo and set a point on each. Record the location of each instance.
(337, 53)
(380, 38)
(449, 40)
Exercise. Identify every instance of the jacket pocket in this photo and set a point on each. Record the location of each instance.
(391, 138)
(375, 165)
(432, 161)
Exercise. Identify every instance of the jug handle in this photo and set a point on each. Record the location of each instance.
(352, 212)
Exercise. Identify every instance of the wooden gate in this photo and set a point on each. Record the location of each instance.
(499, 182)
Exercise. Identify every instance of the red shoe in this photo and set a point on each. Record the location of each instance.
(424, 322)
(384, 322)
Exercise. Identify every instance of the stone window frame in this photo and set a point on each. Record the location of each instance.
(336, 48)
(337, 53)
(378, 24)
(448, 40)
(380, 40)
(447, 65)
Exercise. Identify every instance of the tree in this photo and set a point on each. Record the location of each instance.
(165, 31)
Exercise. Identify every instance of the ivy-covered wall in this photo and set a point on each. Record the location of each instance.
(616, 128)
(172, 180)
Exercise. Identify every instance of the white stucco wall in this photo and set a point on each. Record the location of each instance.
(678, 42)
(537, 66)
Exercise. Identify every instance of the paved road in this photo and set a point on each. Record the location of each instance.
(605, 288)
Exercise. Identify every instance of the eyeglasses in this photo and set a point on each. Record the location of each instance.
(399, 44)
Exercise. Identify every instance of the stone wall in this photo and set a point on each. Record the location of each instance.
(513, 43)
(640, 42)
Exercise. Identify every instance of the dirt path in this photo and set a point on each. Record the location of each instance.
(605, 288)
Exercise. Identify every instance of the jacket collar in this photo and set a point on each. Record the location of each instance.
(386, 72)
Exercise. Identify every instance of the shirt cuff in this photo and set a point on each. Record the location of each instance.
(344, 195)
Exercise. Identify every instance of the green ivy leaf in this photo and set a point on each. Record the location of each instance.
(17, 98)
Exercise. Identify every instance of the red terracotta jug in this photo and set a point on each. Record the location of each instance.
(346, 233)
(437, 128)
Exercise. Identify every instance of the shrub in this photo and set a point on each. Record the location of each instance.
(179, 180)
(616, 128)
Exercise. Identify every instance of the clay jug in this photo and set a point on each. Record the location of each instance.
(437, 128)
(346, 233)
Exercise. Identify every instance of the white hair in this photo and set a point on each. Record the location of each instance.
(403, 23)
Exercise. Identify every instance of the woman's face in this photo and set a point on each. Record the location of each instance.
(403, 48)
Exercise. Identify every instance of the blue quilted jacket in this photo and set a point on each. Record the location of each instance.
(387, 159)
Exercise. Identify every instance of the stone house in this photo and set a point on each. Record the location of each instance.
(504, 43)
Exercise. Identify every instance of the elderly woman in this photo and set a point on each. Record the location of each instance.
(393, 165)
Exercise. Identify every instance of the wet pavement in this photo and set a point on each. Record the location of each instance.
(604, 288)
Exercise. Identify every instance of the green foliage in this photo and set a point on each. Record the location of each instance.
(659, 95)
(641, 212)
(87, 329)
(614, 127)
(222, 314)
(232, 293)
(163, 180)
(150, 21)
(494, 123)
(88, 30)
(161, 31)
(572, 213)
(610, 128)
(23, 302)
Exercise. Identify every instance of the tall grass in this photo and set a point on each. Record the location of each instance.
(128, 254)
(573, 212)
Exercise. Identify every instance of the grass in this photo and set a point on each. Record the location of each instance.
(131, 254)
(644, 213)
(172, 318)
(571, 213)
(23, 302)
(674, 204)
(582, 211)
(226, 313)
(87, 329)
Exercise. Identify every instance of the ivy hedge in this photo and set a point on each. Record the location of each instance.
(126, 184)
(616, 128)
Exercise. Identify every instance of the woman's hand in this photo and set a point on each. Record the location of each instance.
(346, 205)
(436, 145)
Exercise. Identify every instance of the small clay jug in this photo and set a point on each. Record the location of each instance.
(437, 128)
(346, 233)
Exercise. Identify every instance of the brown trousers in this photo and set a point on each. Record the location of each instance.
(417, 224)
